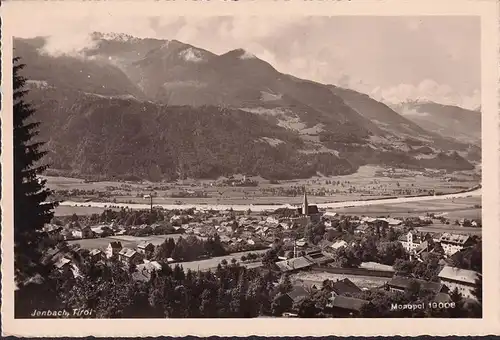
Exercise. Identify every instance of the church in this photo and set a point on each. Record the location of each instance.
(308, 213)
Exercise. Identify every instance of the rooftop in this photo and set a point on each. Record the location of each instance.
(95, 252)
(295, 263)
(144, 244)
(339, 244)
(457, 274)
(298, 293)
(345, 286)
(127, 252)
(454, 238)
(348, 303)
(405, 283)
(116, 244)
(62, 262)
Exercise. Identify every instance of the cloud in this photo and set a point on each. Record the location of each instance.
(71, 44)
(394, 58)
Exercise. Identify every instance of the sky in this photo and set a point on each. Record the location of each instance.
(393, 59)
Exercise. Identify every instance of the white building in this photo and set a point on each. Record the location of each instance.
(339, 244)
(462, 279)
(452, 243)
(411, 241)
(113, 249)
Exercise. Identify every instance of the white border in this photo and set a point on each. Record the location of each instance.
(12, 12)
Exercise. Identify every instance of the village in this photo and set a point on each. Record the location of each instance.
(349, 256)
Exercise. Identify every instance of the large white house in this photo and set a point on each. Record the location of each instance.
(452, 243)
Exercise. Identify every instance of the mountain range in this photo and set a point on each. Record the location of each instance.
(127, 107)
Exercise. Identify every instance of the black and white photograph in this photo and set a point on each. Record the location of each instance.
(245, 166)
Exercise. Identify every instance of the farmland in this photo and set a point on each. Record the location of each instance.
(211, 263)
(457, 208)
(368, 182)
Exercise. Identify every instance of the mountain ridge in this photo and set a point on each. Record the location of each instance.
(320, 128)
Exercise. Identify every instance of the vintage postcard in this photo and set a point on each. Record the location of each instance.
(250, 168)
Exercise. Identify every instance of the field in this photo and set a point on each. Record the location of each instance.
(64, 210)
(449, 228)
(214, 261)
(368, 182)
(126, 240)
(452, 209)
(316, 278)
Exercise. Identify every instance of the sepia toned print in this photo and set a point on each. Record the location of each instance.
(226, 166)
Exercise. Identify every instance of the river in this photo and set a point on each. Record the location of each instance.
(252, 207)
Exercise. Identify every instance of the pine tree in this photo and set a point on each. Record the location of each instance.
(31, 211)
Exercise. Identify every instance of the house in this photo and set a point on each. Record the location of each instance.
(63, 264)
(75, 235)
(146, 248)
(393, 222)
(298, 294)
(54, 231)
(129, 256)
(113, 249)
(294, 264)
(452, 243)
(144, 270)
(462, 279)
(411, 241)
(317, 257)
(87, 232)
(344, 306)
(295, 296)
(362, 229)
(339, 244)
(378, 223)
(342, 287)
(51, 256)
(402, 284)
(330, 214)
(272, 220)
(97, 230)
(96, 254)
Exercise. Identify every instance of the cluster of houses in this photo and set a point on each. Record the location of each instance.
(339, 303)
(416, 243)
(140, 256)
(342, 304)
(450, 278)
(127, 256)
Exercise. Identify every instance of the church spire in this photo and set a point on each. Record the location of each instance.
(305, 204)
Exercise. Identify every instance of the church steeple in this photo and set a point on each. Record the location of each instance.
(305, 204)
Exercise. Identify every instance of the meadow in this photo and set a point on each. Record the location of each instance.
(452, 209)
(368, 183)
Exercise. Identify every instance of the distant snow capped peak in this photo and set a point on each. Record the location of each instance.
(192, 55)
(122, 37)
